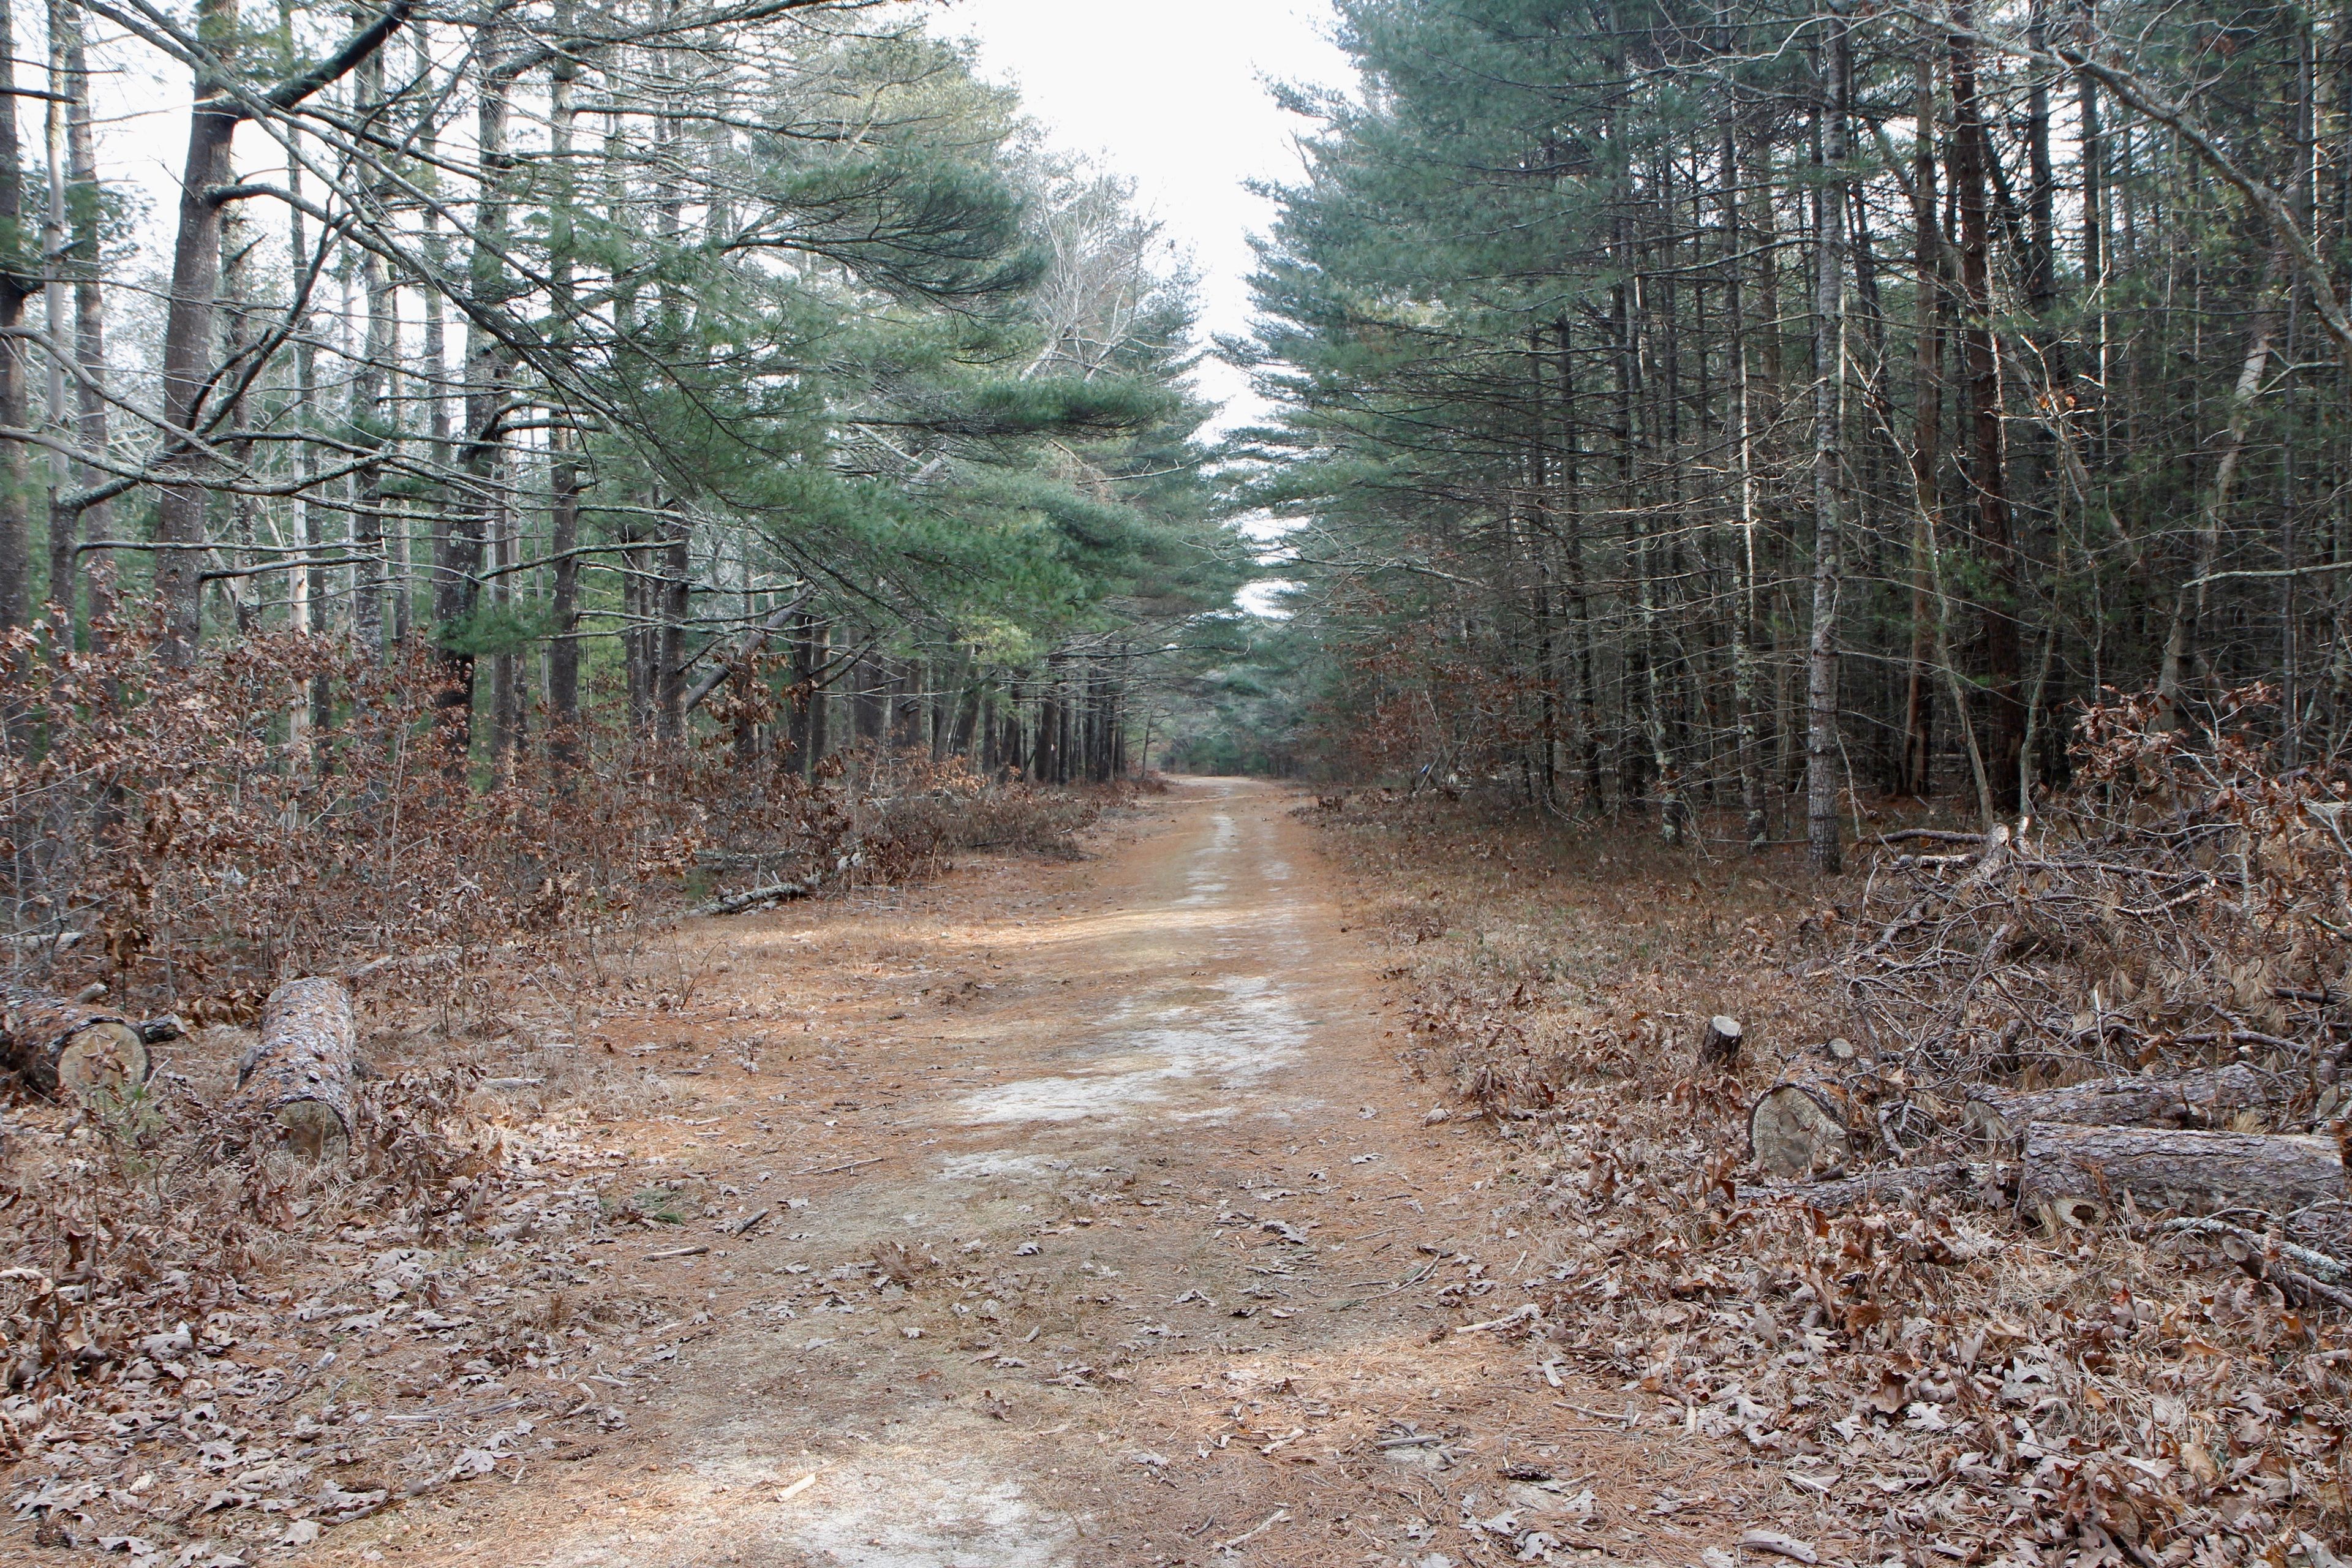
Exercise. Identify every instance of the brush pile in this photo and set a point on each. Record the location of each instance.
(2141, 998)
(2143, 1359)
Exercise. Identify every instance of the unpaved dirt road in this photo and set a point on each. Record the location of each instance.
(1176, 1272)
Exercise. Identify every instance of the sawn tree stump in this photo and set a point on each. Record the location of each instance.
(1718, 1048)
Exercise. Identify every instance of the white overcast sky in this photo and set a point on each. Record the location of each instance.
(1175, 96)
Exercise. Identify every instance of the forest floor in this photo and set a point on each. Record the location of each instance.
(1083, 1213)
(1270, 1182)
(1172, 1268)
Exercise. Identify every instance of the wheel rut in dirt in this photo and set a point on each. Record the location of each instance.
(1109, 1232)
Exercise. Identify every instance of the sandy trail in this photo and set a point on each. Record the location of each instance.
(1199, 1274)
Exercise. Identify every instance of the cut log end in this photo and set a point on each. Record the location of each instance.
(70, 1051)
(314, 1127)
(1794, 1132)
(105, 1057)
(1719, 1047)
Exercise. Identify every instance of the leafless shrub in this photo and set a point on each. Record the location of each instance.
(2185, 904)
(193, 835)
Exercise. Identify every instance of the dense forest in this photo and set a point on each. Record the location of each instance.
(1691, 408)
(619, 412)
(1805, 1017)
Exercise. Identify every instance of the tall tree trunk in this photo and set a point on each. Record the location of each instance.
(434, 375)
(2042, 191)
(238, 242)
(1917, 771)
(372, 408)
(1742, 609)
(1580, 598)
(504, 541)
(55, 257)
(372, 394)
(187, 336)
(2093, 156)
(673, 547)
(1823, 853)
(562, 469)
(82, 204)
(308, 609)
(2290, 543)
(457, 596)
(18, 278)
(673, 589)
(1971, 147)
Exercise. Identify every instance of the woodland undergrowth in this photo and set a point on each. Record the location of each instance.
(188, 838)
(1936, 1379)
(171, 1295)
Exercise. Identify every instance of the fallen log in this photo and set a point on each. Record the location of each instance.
(2076, 1177)
(1718, 1047)
(759, 898)
(299, 1077)
(1804, 1123)
(71, 1050)
(2201, 1099)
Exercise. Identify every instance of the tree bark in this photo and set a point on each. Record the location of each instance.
(1823, 855)
(56, 256)
(1718, 1045)
(1742, 610)
(372, 405)
(82, 198)
(434, 350)
(301, 1077)
(1971, 151)
(458, 572)
(188, 336)
(17, 284)
(1917, 771)
(562, 469)
(2201, 1099)
(1571, 478)
(2075, 1176)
